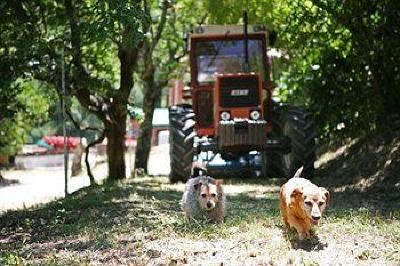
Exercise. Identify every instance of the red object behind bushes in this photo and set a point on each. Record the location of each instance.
(58, 141)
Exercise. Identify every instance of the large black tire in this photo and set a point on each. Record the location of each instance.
(298, 125)
(181, 129)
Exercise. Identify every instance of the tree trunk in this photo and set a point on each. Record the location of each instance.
(2, 180)
(115, 133)
(379, 89)
(77, 161)
(143, 147)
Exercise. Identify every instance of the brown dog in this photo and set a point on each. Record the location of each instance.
(302, 203)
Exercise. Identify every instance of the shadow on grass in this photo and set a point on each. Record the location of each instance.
(95, 207)
(375, 201)
(241, 209)
(255, 181)
(366, 175)
(94, 218)
(311, 244)
(8, 182)
(102, 217)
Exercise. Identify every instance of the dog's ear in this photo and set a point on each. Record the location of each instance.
(197, 185)
(296, 192)
(298, 172)
(326, 194)
(219, 182)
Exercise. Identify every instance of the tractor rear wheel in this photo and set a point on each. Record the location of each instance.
(181, 136)
(298, 125)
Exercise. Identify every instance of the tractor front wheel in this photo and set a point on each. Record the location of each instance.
(181, 136)
(298, 125)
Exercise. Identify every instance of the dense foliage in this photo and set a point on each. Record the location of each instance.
(24, 106)
(345, 62)
(103, 44)
(339, 58)
(99, 42)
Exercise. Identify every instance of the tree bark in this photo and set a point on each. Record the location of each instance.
(143, 147)
(115, 133)
(77, 161)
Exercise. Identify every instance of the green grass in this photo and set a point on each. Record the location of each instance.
(139, 222)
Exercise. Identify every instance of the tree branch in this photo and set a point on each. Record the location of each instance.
(81, 75)
(203, 19)
(173, 51)
(87, 148)
(161, 25)
(76, 123)
(84, 97)
(75, 36)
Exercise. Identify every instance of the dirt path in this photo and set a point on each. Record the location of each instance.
(41, 185)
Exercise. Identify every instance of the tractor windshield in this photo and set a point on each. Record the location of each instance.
(227, 57)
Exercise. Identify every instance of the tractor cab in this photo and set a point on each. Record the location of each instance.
(225, 53)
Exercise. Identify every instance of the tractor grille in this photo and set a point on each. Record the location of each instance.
(239, 91)
(241, 133)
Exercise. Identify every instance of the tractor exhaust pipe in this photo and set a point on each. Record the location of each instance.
(246, 43)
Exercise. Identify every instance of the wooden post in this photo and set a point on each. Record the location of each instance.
(64, 115)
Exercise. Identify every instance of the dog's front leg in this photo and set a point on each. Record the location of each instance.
(304, 235)
(301, 228)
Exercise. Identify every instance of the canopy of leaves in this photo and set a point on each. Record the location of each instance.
(341, 57)
(344, 62)
(97, 40)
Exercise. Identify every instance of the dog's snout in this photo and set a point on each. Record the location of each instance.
(209, 204)
(316, 217)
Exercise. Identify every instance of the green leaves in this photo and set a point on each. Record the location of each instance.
(120, 22)
(348, 92)
(33, 104)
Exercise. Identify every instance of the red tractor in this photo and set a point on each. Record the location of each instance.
(232, 125)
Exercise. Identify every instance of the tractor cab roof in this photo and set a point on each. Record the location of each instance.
(226, 30)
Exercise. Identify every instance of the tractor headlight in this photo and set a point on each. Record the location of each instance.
(255, 115)
(225, 115)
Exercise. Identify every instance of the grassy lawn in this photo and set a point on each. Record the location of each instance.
(138, 222)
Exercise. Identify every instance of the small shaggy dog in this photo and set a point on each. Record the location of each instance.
(302, 204)
(204, 198)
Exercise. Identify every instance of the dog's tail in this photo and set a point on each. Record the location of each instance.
(198, 169)
(298, 172)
